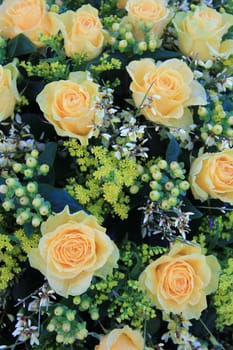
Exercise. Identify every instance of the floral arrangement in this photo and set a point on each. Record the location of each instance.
(116, 184)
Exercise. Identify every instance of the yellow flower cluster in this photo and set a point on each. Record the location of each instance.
(10, 258)
(105, 180)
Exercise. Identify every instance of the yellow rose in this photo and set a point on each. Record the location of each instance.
(82, 32)
(200, 33)
(121, 339)
(121, 4)
(211, 175)
(151, 12)
(73, 249)
(179, 281)
(28, 17)
(70, 106)
(8, 90)
(164, 90)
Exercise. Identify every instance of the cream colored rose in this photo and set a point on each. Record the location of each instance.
(9, 94)
(121, 4)
(70, 106)
(164, 91)
(200, 33)
(73, 248)
(179, 281)
(121, 339)
(29, 17)
(211, 175)
(82, 32)
(151, 12)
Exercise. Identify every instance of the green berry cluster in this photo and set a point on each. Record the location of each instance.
(64, 322)
(21, 191)
(166, 181)
(217, 129)
(85, 303)
(121, 38)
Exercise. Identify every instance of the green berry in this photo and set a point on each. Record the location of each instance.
(154, 195)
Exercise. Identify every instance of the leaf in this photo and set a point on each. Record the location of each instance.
(173, 150)
(19, 46)
(49, 154)
(2, 195)
(191, 208)
(58, 198)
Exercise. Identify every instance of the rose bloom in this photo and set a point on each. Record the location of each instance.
(70, 106)
(121, 4)
(82, 32)
(73, 248)
(29, 17)
(200, 33)
(9, 94)
(164, 90)
(179, 281)
(151, 12)
(121, 339)
(211, 175)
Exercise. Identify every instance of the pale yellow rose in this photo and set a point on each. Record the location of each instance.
(200, 33)
(211, 175)
(121, 339)
(179, 281)
(71, 106)
(121, 4)
(29, 17)
(165, 91)
(151, 12)
(82, 32)
(9, 94)
(73, 248)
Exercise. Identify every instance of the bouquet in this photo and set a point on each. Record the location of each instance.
(116, 183)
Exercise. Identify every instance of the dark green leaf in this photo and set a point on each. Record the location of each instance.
(28, 229)
(58, 198)
(173, 150)
(19, 46)
(191, 208)
(49, 154)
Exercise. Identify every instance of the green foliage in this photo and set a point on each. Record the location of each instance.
(223, 298)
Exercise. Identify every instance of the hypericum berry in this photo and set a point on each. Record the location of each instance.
(66, 326)
(11, 182)
(123, 44)
(34, 153)
(77, 300)
(19, 191)
(155, 185)
(37, 201)
(157, 175)
(217, 129)
(32, 187)
(60, 338)
(184, 185)
(169, 186)
(154, 195)
(44, 169)
(31, 162)
(58, 311)
(28, 173)
(36, 221)
(3, 189)
(175, 192)
(162, 164)
(134, 189)
(8, 205)
(70, 315)
(44, 209)
(145, 177)
(17, 167)
(24, 200)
